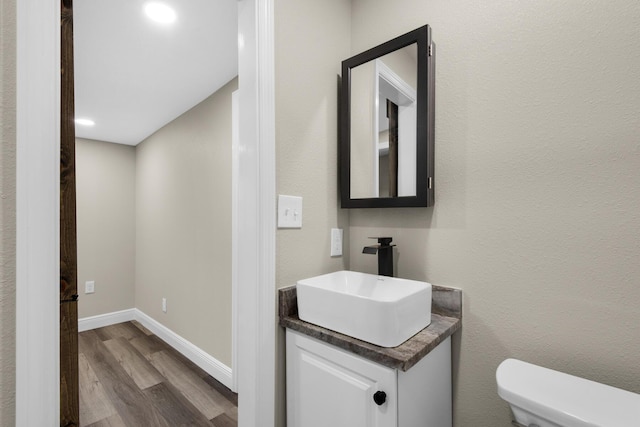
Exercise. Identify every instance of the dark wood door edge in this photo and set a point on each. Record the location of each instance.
(69, 386)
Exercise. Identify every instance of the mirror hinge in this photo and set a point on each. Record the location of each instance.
(430, 183)
(430, 50)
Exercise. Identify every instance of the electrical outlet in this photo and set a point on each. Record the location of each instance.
(164, 305)
(89, 287)
(336, 241)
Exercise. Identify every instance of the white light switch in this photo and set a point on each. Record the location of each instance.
(336, 241)
(289, 212)
(89, 287)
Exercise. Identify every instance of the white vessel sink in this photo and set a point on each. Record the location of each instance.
(381, 310)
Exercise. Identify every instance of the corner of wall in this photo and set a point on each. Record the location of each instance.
(7, 211)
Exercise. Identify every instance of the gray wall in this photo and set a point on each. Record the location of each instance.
(537, 178)
(537, 186)
(105, 225)
(183, 225)
(154, 221)
(309, 45)
(7, 211)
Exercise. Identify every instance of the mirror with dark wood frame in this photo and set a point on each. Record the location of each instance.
(386, 124)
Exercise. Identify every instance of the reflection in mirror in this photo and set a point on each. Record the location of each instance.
(383, 125)
(386, 124)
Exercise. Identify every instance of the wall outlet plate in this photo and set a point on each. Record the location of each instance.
(89, 287)
(336, 242)
(164, 305)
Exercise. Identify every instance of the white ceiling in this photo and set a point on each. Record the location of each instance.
(134, 75)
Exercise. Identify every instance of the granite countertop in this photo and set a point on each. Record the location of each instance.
(446, 318)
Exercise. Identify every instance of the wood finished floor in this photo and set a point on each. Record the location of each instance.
(130, 377)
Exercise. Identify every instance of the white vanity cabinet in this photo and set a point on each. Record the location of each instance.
(328, 386)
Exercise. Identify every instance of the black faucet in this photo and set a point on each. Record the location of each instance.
(384, 249)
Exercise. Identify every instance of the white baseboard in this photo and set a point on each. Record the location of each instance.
(208, 363)
(102, 320)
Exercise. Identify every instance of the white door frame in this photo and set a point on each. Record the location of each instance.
(406, 140)
(37, 213)
(256, 227)
(235, 142)
(37, 230)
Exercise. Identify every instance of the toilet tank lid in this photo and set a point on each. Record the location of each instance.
(565, 399)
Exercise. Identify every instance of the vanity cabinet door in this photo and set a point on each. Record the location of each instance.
(327, 386)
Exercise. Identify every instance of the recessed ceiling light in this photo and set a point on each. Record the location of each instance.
(85, 122)
(160, 12)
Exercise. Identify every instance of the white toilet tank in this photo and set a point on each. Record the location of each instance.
(546, 398)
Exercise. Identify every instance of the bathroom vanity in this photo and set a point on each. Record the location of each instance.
(336, 380)
(375, 350)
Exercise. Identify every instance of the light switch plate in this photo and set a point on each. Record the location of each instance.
(289, 212)
(336, 241)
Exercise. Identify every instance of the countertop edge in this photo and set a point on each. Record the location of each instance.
(402, 357)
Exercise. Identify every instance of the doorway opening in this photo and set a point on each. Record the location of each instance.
(38, 180)
(154, 229)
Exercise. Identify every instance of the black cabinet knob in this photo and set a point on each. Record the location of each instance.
(379, 397)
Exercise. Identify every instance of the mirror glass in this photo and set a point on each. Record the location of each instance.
(383, 125)
(386, 124)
